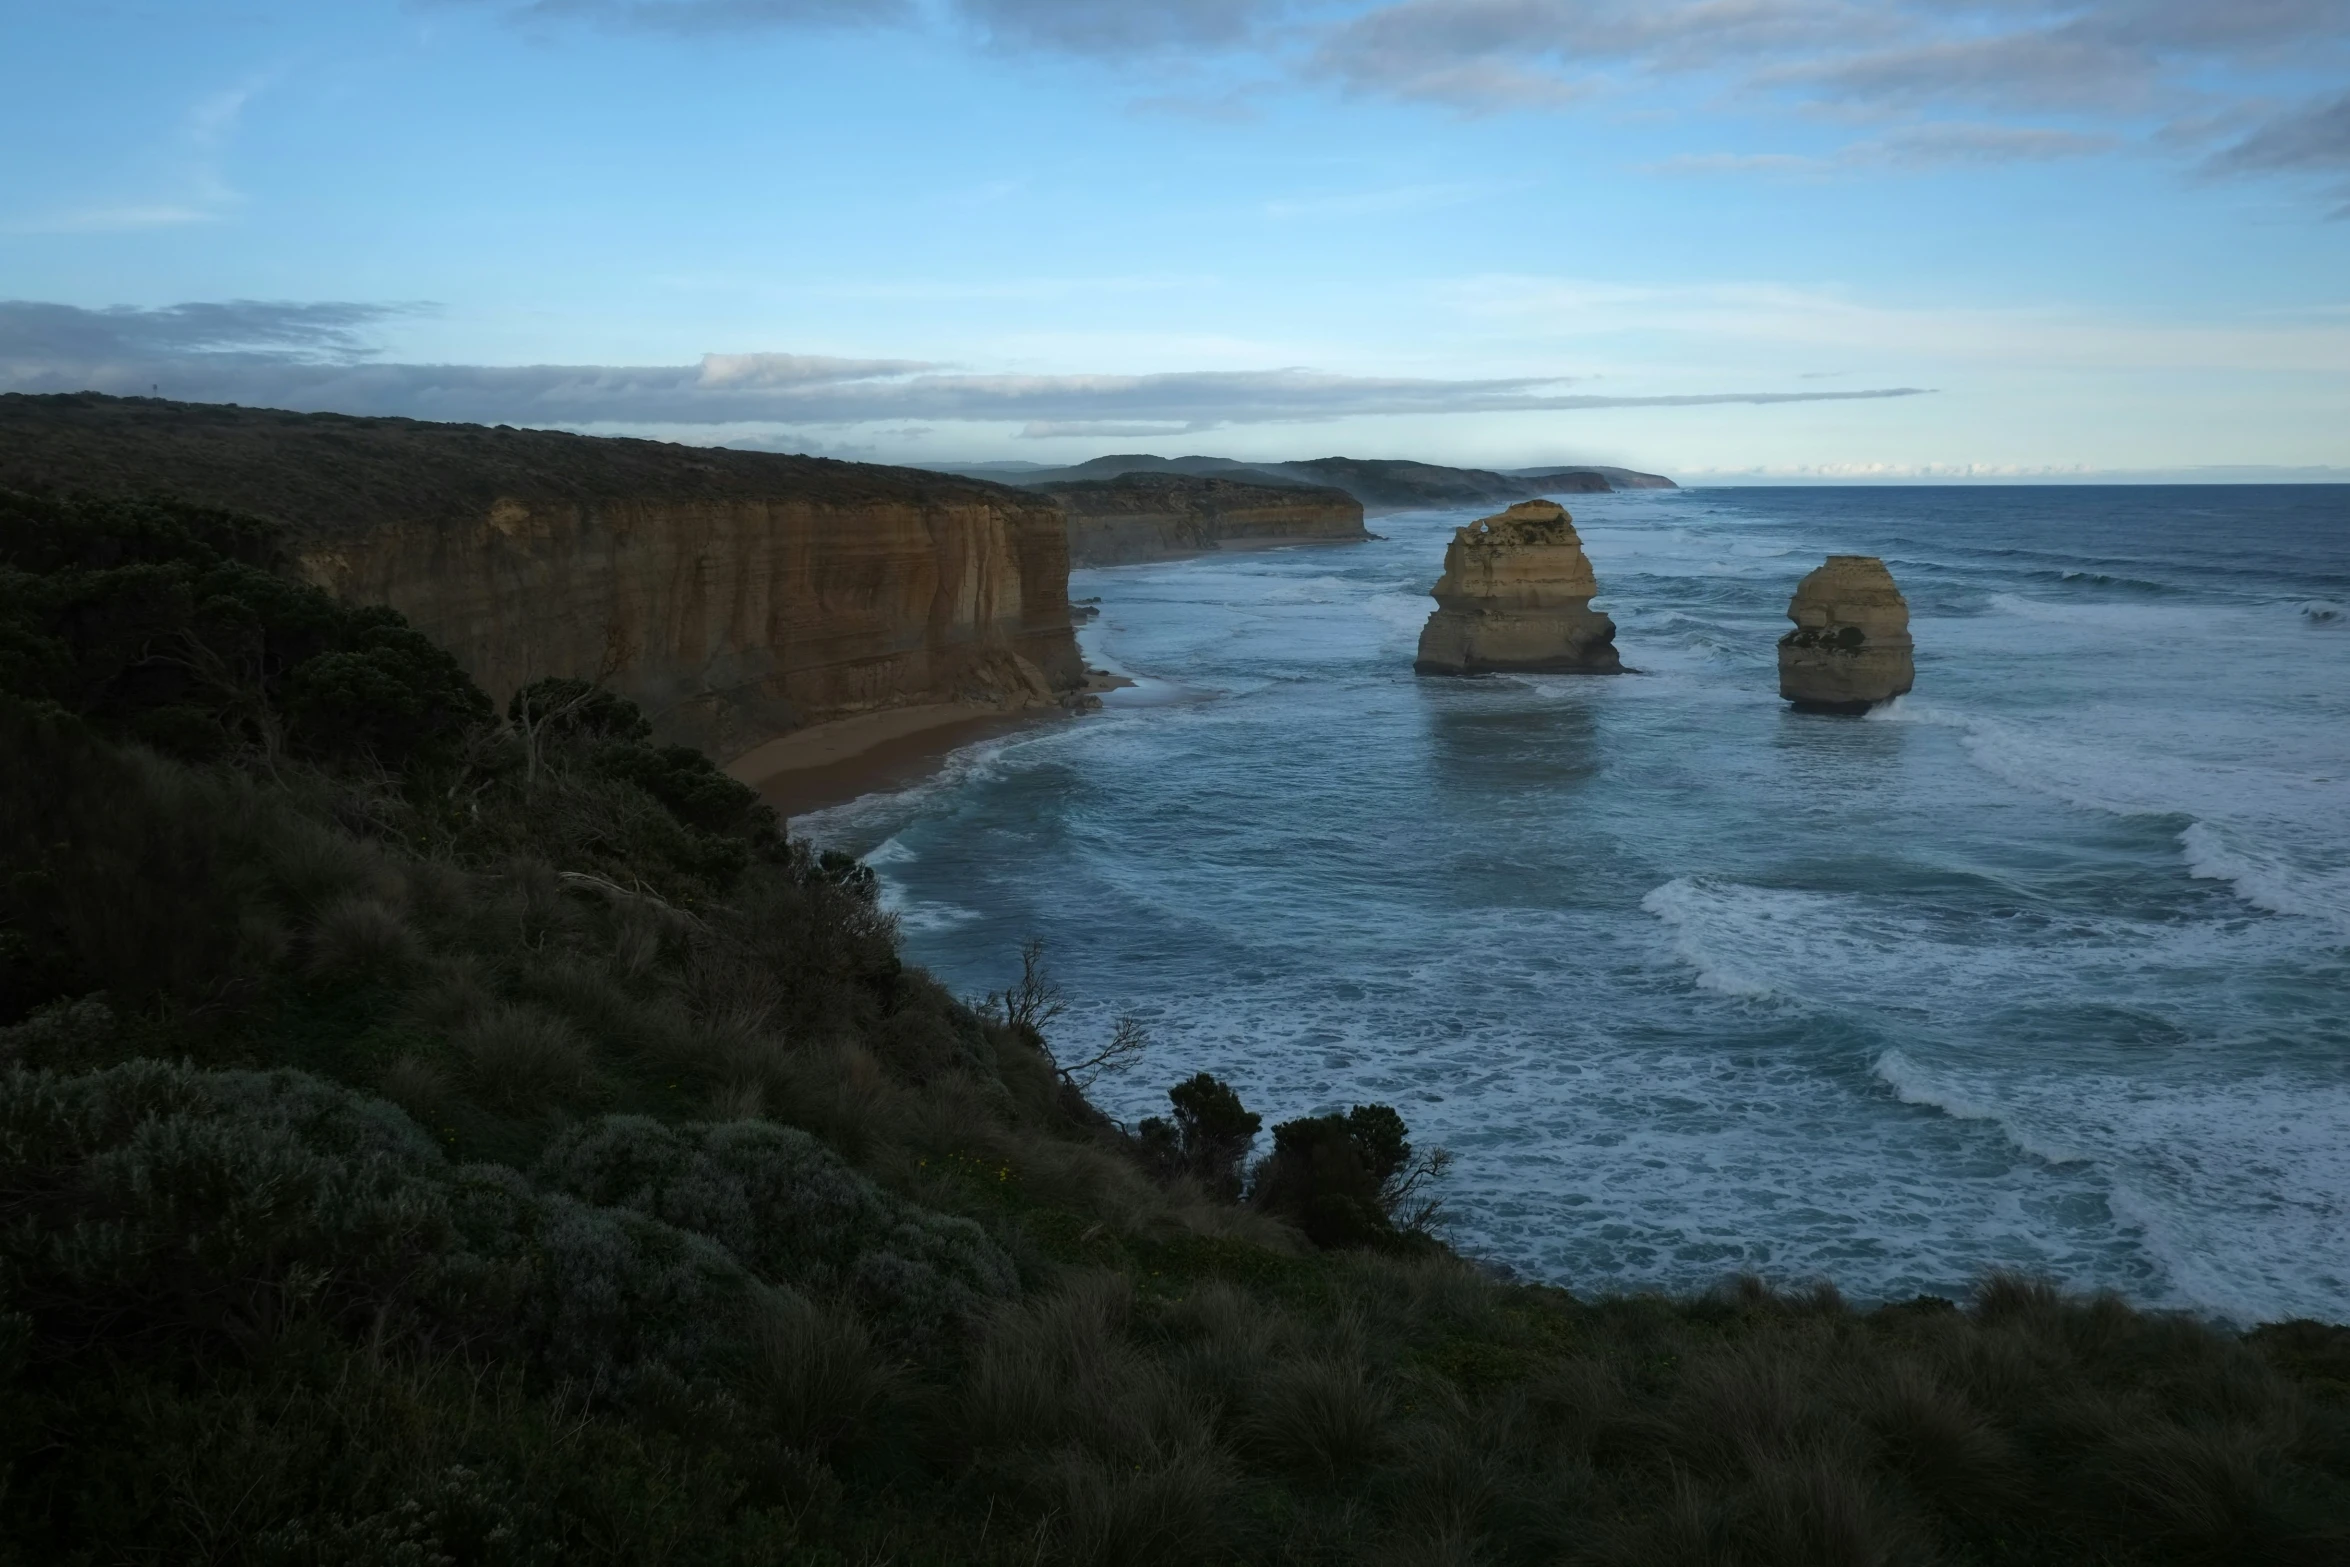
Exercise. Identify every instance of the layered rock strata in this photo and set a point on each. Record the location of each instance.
(1516, 595)
(1163, 516)
(735, 596)
(1850, 648)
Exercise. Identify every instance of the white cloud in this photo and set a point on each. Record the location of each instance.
(1818, 322)
(309, 357)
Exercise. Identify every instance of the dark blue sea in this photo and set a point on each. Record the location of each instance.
(2046, 966)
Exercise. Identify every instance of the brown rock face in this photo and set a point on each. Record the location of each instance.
(1850, 648)
(1516, 595)
(1162, 516)
(735, 596)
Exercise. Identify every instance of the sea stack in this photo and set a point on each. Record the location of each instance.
(1516, 596)
(1850, 648)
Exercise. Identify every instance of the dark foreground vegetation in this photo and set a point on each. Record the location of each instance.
(431, 1135)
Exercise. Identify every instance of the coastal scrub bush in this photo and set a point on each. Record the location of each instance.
(1208, 1138)
(792, 1211)
(178, 626)
(1345, 1180)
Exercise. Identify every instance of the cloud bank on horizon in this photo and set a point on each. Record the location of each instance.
(1680, 234)
(310, 357)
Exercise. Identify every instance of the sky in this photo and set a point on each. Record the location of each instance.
(1722, 239)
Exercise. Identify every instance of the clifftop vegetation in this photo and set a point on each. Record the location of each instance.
(326, 472)
(437, 1135)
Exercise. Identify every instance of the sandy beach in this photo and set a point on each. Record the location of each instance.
(826, 764)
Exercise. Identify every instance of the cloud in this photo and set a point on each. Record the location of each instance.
(1097, 27)
(2165, 74)
(1099, 429)
(269, 330)
(308, 357)
(743, 372)
(2311, 139)
(1921, 146)
(690, 18)
(1911, 147)
(1121, 26)
(1816, 324)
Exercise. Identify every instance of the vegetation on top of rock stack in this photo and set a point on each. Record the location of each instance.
(430, 1135)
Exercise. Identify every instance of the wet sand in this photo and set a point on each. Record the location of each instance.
(829, 764)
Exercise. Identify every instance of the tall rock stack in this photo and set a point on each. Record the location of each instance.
(1850, 648)
(1516, 596)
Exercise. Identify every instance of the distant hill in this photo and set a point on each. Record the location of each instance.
(1381, 484)
(1617, 478)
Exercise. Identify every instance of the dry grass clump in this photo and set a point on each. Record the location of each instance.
(1165, 1510)
(520, 1059)
(816, 1378)
(360, 937)
(1319, 1420)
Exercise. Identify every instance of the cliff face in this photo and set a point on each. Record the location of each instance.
(1516, 595)
(735, 596)
(1850, 648)
(1159, 516)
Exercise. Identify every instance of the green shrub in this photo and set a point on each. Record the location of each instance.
(1330, 1175)
(180, 627)
(1209, 1137)
(792, 1211)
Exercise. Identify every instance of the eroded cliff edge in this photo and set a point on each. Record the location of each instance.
(735, 596)
(1161, 516)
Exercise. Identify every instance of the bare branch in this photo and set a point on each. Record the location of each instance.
(1129, 1041)
(1421, 1216)
(1036, 999)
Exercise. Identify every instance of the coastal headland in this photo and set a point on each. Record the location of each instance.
(1146, 516)
(736, 597)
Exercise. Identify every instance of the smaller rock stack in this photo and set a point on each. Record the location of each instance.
(1850, 648)
(1516, 596)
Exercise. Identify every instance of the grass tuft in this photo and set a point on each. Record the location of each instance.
(522, 1059)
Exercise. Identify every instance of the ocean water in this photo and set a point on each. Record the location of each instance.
(2046, 966)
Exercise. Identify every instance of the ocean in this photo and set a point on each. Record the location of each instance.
(2044, 967)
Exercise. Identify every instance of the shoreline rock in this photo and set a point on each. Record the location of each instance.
(1515, 597)
(1850, 649)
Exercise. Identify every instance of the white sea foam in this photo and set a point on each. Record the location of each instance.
(2264, 880)
(2240, 1186)
(1717, 938)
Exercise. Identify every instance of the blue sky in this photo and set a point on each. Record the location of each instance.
(1837, 238)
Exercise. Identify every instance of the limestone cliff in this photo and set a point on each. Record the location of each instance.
(1850, 648)
(736, 596)
(1160, 516)
(1516, 595)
